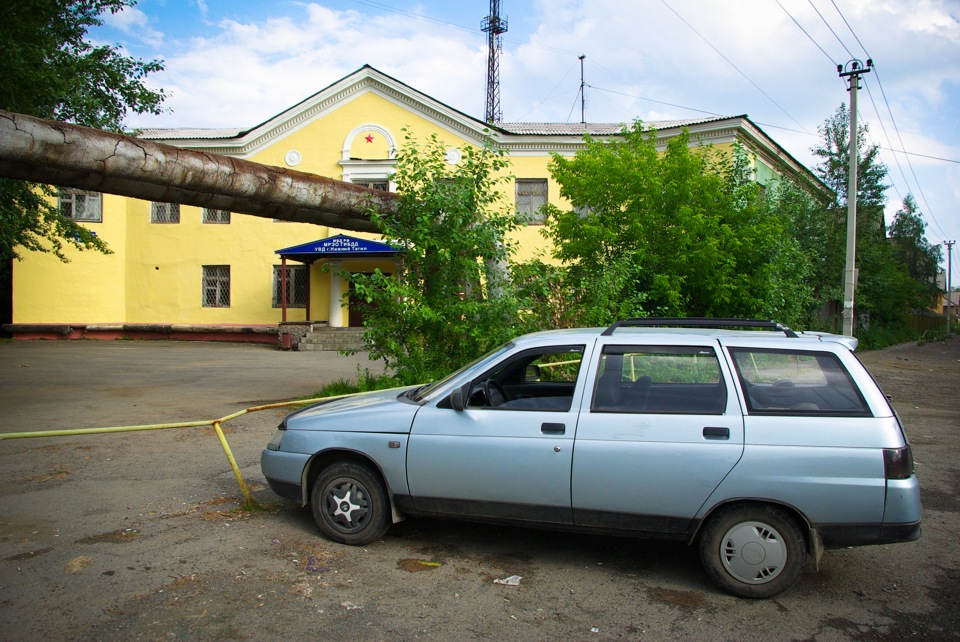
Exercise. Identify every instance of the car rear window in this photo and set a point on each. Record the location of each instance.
(795, 382)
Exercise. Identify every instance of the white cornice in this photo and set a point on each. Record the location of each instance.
(316, 106)
(367, 79)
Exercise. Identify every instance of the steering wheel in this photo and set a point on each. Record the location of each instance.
(494, 392)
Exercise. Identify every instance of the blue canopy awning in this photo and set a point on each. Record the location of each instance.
(339, 246)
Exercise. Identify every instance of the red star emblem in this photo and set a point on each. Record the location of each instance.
(369, 138)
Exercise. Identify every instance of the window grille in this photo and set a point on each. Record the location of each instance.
(297, 285)
(165, 212)
(82, 206)
(531, 196)
(381, 185)
(215, 216)
(216, 286)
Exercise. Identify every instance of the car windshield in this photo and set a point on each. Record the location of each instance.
(425, 391)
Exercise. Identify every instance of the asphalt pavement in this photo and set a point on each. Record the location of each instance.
(50, 385)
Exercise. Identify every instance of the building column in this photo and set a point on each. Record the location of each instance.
(336, 297)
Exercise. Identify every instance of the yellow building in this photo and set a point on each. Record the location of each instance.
(182, 271)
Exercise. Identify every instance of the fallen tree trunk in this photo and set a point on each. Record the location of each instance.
(57, 153)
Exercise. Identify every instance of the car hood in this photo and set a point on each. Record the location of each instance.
(378, 411)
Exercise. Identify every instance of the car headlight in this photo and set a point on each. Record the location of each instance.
(274, 443)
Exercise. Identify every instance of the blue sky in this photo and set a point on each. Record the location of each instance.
(238, 62)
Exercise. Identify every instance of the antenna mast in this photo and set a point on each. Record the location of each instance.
(583, 95)
(494, 26)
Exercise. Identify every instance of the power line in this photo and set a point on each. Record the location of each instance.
(799, 26)
(896, 158)
(854, 33)
(831, 28)
(659, 102)
(551, 93)
(896, 150)
(893, 121)
(906, 153)
(729, 62)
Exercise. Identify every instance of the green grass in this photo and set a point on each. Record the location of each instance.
(365, 382)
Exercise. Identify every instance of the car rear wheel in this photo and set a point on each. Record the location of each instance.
(350, 504)
(752, 551)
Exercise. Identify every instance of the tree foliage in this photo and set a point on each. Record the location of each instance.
(915, 253)
(896, 271)
(451, 299)
(50, 70)
(685, 232)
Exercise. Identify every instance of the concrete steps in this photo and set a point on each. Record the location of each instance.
(321, 338)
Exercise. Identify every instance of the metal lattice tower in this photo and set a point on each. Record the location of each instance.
(494, 26)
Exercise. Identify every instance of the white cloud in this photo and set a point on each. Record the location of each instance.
(245, 71)
(647, 59)
(133, 22)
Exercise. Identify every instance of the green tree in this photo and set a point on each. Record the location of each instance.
(685, 232)
(451, 299)
(49, 70)
(883, 293)
(915, 253)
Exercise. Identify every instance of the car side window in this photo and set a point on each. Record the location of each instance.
(659, 379)
(537, 379)
(795, 382)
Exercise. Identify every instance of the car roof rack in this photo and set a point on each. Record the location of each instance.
(700, 322)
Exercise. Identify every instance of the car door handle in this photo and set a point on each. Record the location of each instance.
(552, 429)
(715, 432)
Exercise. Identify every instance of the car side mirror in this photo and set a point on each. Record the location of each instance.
(532, 374)
(457, 401)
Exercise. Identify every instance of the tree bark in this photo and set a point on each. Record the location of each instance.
(57, 153)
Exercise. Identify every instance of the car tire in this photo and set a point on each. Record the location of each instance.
(753, 551)
(350, 504)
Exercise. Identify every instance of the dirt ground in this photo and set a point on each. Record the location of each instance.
(141, 536)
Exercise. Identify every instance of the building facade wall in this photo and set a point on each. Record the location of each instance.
(155, 273)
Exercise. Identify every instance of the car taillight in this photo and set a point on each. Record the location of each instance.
(898, 462)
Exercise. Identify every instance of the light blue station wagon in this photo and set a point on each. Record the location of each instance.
(759, 446)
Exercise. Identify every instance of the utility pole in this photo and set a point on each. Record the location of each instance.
(583, 96)
(949, 245)
(852, 71)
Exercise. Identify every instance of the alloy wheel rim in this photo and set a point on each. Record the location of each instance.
(347, 506)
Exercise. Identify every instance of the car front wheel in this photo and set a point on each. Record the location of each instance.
(752, 551)
(350, 504)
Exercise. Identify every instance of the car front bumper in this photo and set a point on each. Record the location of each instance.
(284, 472)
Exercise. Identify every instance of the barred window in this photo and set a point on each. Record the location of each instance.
(297, 285)
(82, 206)
(531, 195)
(216, 286)
(165, 212)
(215, 216)
(382, 185)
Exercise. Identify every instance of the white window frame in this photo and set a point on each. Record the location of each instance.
(381, 184)
(215, 217)
(81, 206)
(295, 273)
(215, 286)
(164, 213)
(528, 200)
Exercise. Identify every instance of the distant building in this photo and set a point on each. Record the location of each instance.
(191, 272)
(951, 299)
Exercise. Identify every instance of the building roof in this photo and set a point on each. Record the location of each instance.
(517, 138)
(597, 129)
(180, 133)
(524, 129)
